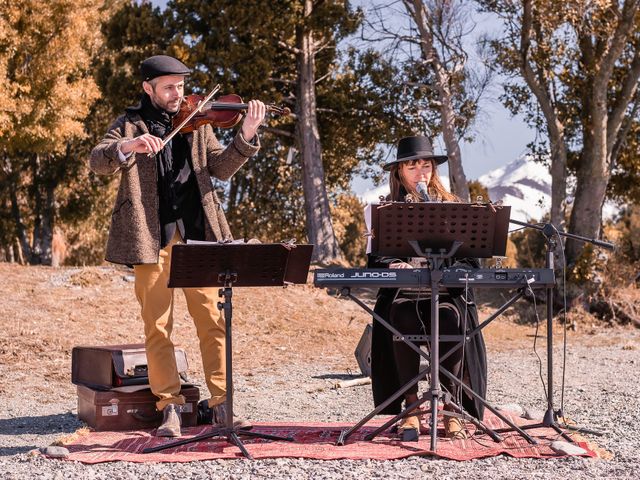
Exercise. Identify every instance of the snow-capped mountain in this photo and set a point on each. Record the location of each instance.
(524, 185)
(373, 195)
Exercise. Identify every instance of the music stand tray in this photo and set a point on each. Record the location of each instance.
(227, 266)
(481, 228)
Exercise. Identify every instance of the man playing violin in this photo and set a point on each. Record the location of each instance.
(165, 197)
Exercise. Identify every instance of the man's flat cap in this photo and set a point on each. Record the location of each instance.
(159, 65)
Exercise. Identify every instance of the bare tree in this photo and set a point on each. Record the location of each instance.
(604, 114)
(538, 81)
(433, 22)
(439, 29)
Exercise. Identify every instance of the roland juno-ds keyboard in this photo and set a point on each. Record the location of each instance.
(372, 277)
(421, 277)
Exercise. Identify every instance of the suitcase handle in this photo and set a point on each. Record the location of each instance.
(144, 417)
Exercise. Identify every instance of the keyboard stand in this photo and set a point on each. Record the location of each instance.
(345, 434)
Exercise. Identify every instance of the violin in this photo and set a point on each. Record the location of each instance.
(225, 112)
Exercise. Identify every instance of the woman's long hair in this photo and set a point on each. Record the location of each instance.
(399, 191)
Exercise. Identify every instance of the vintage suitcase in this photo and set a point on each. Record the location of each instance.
(111, 410)
(109, 366)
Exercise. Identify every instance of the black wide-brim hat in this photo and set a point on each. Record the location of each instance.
(415, 148)
(160, 65)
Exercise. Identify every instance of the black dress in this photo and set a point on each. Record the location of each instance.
(384, 371)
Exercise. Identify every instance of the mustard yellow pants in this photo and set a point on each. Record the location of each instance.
(156, 301)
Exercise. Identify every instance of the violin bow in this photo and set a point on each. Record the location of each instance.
(190, 116)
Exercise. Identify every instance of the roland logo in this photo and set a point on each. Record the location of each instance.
(374, 275)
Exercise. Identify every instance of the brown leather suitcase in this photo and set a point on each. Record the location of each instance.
(110, 366)
(112, 410)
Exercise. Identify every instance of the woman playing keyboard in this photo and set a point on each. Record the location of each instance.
(413, 176)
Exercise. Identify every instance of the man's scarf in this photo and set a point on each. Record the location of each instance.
(171, 159)
(158, 122)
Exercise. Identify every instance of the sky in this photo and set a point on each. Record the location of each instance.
(499, 137)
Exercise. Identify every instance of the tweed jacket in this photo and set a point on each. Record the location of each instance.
(134, 235)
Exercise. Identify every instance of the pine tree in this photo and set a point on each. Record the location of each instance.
(256, 50)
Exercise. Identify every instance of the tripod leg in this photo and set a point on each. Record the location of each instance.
(435, 357)
(345, 434)
(490, 407)
(409, 409)
(564, 435)
(434, 420)
(227, 308)
(214, 433)
(233, 438)
(575, 428)
(552, 424)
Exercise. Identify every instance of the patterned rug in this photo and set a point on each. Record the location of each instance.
(313, 441)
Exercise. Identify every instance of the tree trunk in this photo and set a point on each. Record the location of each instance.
(603, 123)
(318, 216)
(232, 202)
(457, 178)
(43, 242)
(42, 190)
(591, 184)
(558, 170)
(21, 231)
(537, 82)
(36, 194)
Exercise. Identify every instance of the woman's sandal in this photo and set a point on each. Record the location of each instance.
(454, 428)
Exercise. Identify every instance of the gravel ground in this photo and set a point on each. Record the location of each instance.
(601, 393)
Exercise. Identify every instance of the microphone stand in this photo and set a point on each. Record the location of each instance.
(551, 415)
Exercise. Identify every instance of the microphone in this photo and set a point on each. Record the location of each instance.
(421, 188)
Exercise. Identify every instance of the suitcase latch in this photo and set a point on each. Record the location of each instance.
(136, 371)
(110, 410)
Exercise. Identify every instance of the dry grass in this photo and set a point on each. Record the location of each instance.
(46, 312)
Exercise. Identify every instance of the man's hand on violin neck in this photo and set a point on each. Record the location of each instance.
(256, 112)
(146, 143)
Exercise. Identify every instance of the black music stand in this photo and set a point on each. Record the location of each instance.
(227, 266)
(437, 232)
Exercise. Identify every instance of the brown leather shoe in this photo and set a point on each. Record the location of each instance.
(219, 418)
(171, 421)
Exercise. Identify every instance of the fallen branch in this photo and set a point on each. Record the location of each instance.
(344, 384)
(353, 383)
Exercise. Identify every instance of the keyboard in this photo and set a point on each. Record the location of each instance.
(421, 277)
